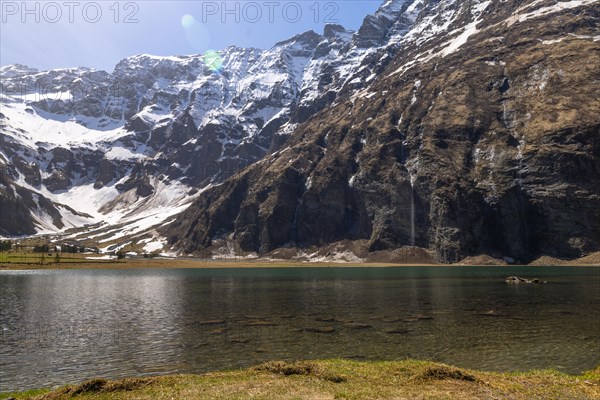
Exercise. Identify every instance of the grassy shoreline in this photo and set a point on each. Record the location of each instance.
(259, 263)
(188, 263)
(337, 379)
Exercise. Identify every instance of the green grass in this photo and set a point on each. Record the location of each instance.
(36, 258)
(339, 379)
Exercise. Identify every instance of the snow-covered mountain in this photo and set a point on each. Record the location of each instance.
(105, 143)
(109, 157)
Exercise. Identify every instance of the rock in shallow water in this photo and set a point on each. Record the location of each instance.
(516, 279)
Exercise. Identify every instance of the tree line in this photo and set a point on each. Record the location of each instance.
(65, 248)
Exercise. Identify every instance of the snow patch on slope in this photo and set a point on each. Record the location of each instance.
(122, 153)
(29, 127)
(560, 6)
(468, 31)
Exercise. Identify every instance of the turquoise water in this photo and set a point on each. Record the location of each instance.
(66, 326)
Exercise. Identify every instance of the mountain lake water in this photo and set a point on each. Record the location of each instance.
(65, 326)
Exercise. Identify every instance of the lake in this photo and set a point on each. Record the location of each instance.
(65, 326)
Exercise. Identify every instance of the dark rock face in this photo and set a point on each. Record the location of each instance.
(14, 214)
(18, 204)
(106, 173)
(492, 148)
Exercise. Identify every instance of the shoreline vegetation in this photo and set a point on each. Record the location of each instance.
(592, 260)
(43, 253)
(336, 379)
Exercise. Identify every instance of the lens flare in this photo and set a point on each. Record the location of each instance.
(213, 60)
(187, 21)
(196, 34)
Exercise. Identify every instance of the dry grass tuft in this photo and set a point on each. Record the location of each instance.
(99, 385)
(299, 368)
(442, 372)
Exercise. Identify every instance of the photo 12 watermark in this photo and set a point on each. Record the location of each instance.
(269, 11)
(128, 12)
(54, 12)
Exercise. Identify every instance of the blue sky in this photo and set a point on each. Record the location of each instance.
(58, 34)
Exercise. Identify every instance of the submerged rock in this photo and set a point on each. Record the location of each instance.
(398, 331)
(357, 325)
(392, 320)
(325, 329)
(325, 319)
(410, 319)
(212, 322)
(422, 317)
(261, 323)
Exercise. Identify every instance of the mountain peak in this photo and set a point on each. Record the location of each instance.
(391, 8)
(376, 27)
(309, 37)
(11, 70)
(333, 30)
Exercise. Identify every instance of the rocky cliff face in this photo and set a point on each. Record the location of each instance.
(481, 135)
